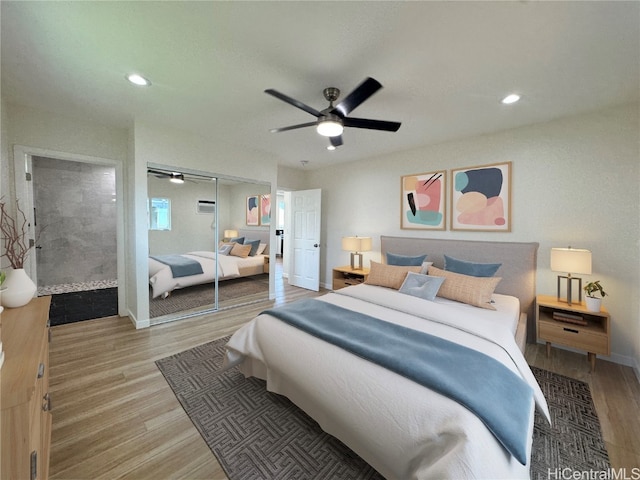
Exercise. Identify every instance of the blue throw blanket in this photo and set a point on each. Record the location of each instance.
(499, 397)
(180, 266)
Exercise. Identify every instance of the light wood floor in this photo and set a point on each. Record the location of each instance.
(114, 416)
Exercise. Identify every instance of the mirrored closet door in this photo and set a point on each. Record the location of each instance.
(193, 268)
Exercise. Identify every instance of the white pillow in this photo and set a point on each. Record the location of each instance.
(261, 248)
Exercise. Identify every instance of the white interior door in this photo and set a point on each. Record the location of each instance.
(305, 239)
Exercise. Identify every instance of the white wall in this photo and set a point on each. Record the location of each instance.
(190, 230)
(575, 182)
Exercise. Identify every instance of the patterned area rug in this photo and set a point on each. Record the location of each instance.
(202, 295)
(574, 440)
(256, 434)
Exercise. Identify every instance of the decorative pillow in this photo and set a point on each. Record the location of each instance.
(470, 268)
(240, 250)
(225, 249)
(422, 286)
(239, 240)
(475, 291)
(405, 260)
(254, 246)
(390, 276)
(261, 249)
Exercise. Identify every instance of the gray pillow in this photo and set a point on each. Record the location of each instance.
(470, 268)
(239, 240)
(423, 286)
(405, 260)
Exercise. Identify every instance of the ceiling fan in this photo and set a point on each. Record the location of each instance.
(331, 121)
(175, 177)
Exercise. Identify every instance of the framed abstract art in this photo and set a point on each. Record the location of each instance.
(253, 210)
(423, 201)
(265, 209)
(481, 198)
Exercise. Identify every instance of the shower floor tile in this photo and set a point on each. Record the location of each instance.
(76, 287)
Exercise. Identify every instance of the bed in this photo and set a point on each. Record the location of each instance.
(171, 272)
(404, 429)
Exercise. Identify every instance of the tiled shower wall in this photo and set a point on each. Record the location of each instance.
(75, 222)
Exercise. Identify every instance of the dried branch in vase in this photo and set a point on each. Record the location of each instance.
(14, 236)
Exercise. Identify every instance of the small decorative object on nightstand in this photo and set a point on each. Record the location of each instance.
(347, 276)
(573, 326)
(593, 302)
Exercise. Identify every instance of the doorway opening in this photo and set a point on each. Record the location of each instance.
(73, 211)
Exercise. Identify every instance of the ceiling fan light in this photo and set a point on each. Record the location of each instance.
(330, 128)
(176, 178)
(331, 148)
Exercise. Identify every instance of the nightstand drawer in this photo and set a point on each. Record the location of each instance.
(574, 336)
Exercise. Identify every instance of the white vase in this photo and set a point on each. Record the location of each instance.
(593, 303)
(19, 289)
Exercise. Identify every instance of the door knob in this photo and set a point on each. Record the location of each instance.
(316, 245)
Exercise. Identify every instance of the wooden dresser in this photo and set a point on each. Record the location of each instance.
(25, 417)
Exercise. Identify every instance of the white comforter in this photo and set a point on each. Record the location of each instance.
(402, 429)
(162, 281)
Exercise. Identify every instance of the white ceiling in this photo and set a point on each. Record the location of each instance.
(444, 66)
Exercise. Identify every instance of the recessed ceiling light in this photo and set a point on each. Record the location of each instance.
(138, 79)
(513, 98)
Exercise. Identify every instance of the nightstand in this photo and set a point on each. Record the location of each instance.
(266, 264)
(573, 326)
(347, 276)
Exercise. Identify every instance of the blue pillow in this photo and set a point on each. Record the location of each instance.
(254, 246)
(239, 240)
(405, 260)
(470, 268)
(423, 286)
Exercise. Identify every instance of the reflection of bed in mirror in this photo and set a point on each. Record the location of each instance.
(176, 271)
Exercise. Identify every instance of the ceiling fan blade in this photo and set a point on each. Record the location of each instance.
(357, 96)
(293, 101)
(372, 124)
(293, 127)
(336, 141)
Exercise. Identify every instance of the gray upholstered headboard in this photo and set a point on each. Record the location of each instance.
(256, 234)
(518, 270)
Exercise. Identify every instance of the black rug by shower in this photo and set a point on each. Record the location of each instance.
(86, 305)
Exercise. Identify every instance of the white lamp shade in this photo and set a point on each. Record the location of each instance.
(571, 260)
(356, 244)
(230, 233)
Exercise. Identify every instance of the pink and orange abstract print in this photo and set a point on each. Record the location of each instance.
(423, 201)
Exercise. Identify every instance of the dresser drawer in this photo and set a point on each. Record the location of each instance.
(574, 336)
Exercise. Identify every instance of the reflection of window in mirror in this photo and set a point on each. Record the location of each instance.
(160, 214)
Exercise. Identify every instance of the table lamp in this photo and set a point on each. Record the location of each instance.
(355, 245)
(229, 234)
(570, 260)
